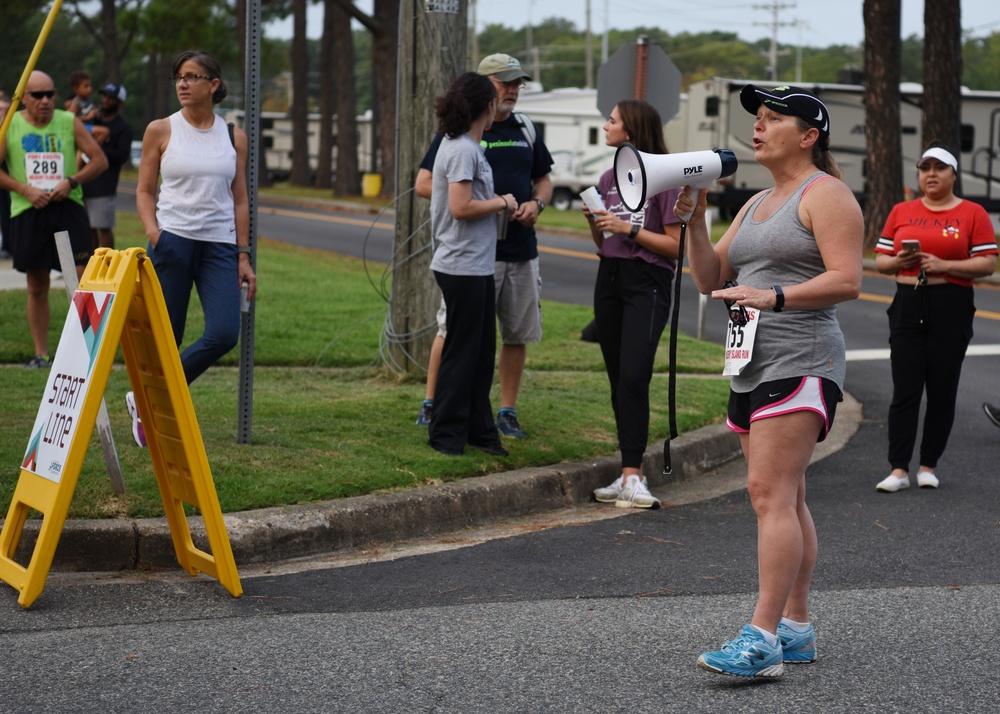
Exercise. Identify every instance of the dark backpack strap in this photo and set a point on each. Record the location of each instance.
(232, 134)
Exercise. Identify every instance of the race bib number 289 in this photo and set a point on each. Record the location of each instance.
(44, 170)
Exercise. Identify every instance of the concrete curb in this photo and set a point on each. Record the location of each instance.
(272, 534)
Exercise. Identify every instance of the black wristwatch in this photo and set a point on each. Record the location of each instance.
(73, 183)
(779, 298)
(633, 231)
(541, 204)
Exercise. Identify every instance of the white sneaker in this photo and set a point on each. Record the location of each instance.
(891, 484)
(635, 494)
(609, 494)
(926, 479)
(138, 432)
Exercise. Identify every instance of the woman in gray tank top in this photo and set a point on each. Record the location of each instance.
(792, 253)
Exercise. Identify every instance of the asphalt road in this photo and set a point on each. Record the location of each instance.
(606, 614)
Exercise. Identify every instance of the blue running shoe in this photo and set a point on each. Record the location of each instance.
(797, 647)
(749, 655)
(508, 425)
(426, 413)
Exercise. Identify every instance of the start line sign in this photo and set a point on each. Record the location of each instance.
(69, 380)
(119, 303)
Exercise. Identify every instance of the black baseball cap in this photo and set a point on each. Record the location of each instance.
(793, 101)
(115, 91)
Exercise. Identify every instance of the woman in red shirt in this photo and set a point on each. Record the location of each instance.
(935, 246)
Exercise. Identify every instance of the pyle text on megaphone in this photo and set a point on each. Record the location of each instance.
(639, 175)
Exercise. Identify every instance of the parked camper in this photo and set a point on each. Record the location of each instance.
(716, 118)
(276, 136)
(570, 123)
(710, 116)
(572, 126)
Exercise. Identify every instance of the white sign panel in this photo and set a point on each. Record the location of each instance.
(66, 389)
(44, 170)
(739, 343)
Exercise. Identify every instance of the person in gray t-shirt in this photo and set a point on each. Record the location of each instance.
(792, 253)
(464, 212)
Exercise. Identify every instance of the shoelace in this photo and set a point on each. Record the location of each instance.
(635, 489)
(738, 644)
(512, 421)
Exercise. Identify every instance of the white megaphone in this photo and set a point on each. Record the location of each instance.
(638, 174)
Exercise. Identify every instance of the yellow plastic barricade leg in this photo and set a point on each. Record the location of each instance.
(119, 299)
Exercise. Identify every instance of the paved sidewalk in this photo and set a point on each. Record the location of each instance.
(10, 279)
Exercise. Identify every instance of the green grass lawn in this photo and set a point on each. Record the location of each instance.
(328, 420)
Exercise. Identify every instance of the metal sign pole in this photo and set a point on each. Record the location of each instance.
(251, 124)
(641, 66)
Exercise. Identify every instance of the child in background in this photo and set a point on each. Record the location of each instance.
(81, 104)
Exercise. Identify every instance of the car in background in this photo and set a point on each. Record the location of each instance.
(569, 181)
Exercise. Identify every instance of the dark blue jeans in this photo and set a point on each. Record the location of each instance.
(182, 263)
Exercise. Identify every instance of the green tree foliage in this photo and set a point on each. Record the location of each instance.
(500, 38)
(67, 48)
(171, 26)
(981, 62)
(167, 26)
(716, 54)
(911, 62)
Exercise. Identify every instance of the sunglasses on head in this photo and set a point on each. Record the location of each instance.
(44, 94)
(737, 313)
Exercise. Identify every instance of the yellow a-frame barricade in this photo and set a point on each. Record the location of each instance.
(119, 300)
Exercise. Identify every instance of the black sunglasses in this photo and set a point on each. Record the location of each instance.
(737, 313)
(46, 94)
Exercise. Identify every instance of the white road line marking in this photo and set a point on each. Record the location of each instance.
(868, 355)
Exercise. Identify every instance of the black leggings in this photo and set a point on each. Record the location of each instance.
(462, 411)
(929, 330)
(631, 308)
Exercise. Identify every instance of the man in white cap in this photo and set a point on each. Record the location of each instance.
(521, 164)
(116, 141)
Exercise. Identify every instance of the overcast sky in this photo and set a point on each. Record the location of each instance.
(817, 23)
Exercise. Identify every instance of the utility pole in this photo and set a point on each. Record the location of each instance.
(604, 37)
(432, 52)
(533, 53)
(589, 82)
(530, 54)
(473, 36)
(774, 24)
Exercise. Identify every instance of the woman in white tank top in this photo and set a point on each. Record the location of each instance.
(199, 225)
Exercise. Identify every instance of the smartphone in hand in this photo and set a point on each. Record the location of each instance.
(910, 247)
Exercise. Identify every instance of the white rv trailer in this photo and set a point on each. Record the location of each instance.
(568, 121)
(710, 116)
(715, 118)
(572, 127)
(276, 135)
